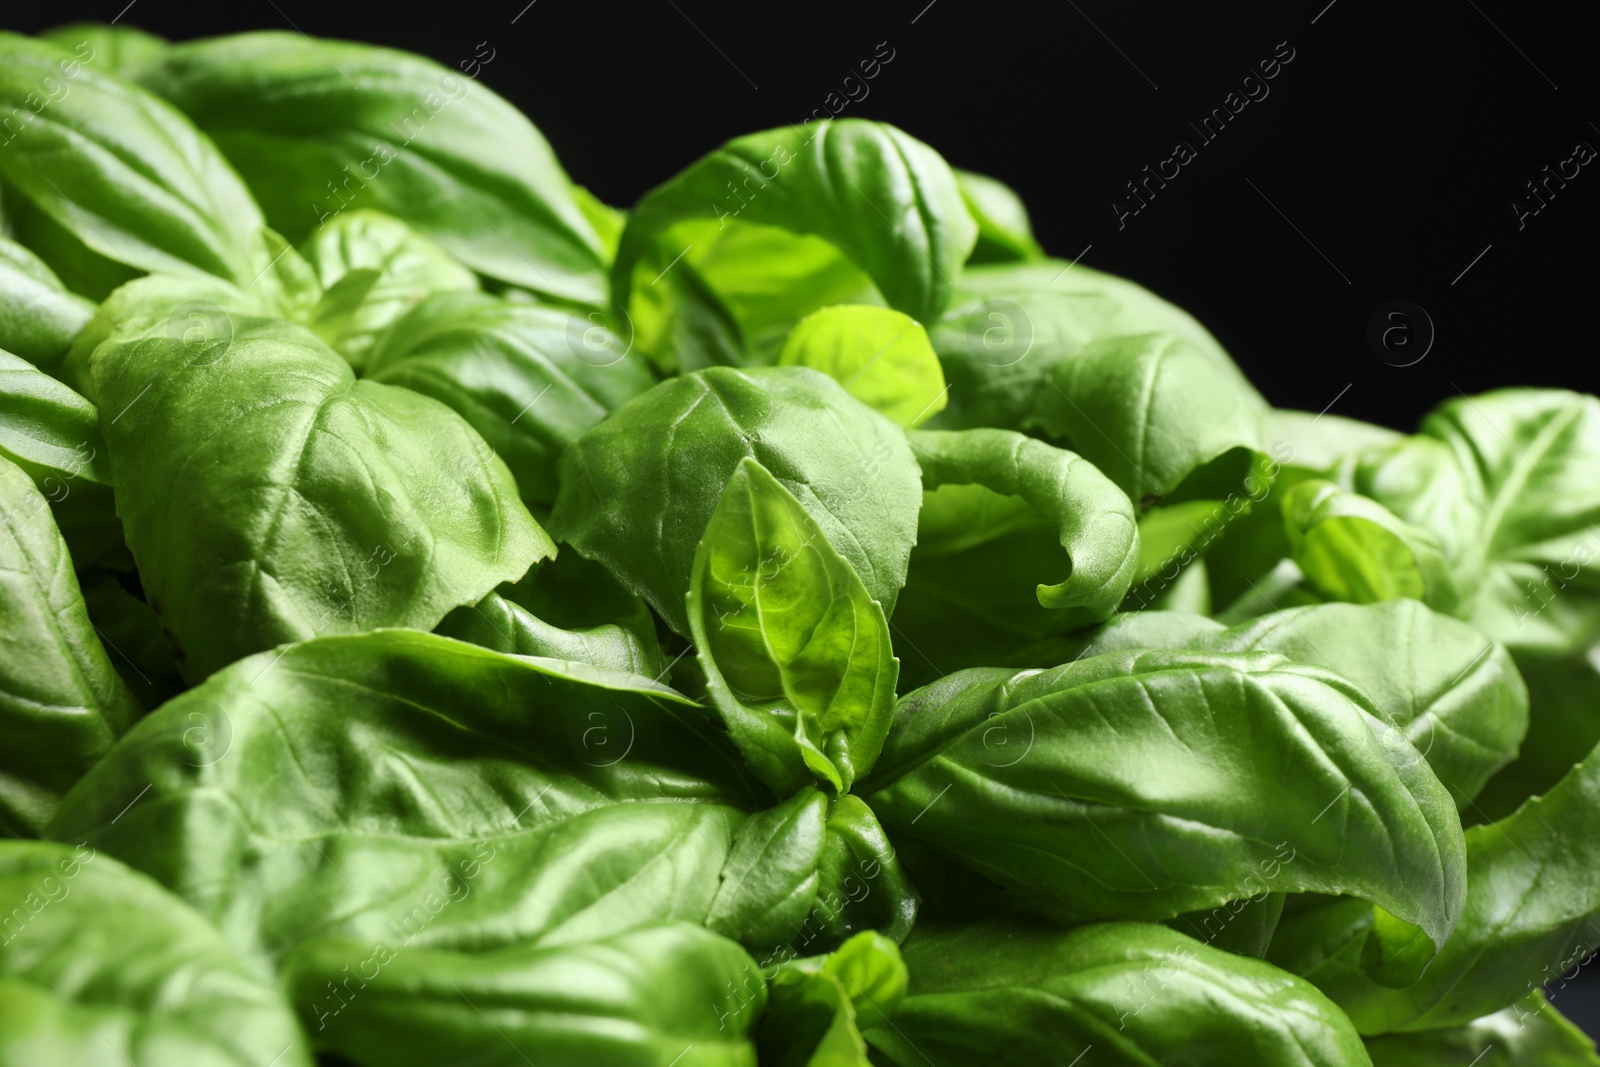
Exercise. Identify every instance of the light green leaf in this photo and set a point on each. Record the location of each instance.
(268, 496)
(122, 50)
(505, 626)
(881, 357)
(61, 702)
(38, 317)
(1004, 232)
(820, 1005)
(101, 967)
(1354, 549)
(796, 651)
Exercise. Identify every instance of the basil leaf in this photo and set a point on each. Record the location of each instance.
(395, 132)
(1562, 728)
(664, 994)
(121, 170)
(48, 430)
(1017, 541)
(820, 1005)
(1004, 233)
(1532, 913)
(123, 50)
(1354, 549)
(1011, 994)
(98, 958)
(405, 788)
(884, 199)
(268, 496)
(530, 379)
(798, 658)
(38, 317)
(638, 490)
(505, 626)
(881, 357)
(1147, 784)
(1530, 1033)
(61, 702)
(374, 269)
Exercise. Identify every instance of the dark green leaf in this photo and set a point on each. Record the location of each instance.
(1530, 1033)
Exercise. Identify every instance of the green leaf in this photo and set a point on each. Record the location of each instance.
(667, 994)
(403, 788)
(123, 50)
(638, 490)
(820, 1005)
(884, 199)
(796, 651)
(48, 430)
(1011, 326)
(132, 635)
(1530, 1033)
(392, 131)
(61, 702)
(1122, 994)
(1017, 541)
(99, 959)
(1004, 233)
(1354, 549)
(38, 317)
(121, 170)
(1562, 729)
(1532, 913)
(1147, 784)
(530, 379)
(374, 269)
(268, 496)
(1316, 443)
(881, 357)
(505, 626)
(606, 221)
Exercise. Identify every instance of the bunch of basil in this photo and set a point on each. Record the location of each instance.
(795, 621)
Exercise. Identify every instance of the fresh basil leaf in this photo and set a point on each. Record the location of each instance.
(1530, 1033)
(1354, 549)
(494, 362)
(659, 995)
(863, 885)
(638, 490)
(99, 959)
(1135, 994)
(268, 496)
(820, 1005)
(795, 649)
(132, 636)
(121, 170)
(38, 317)
(1017, 542)
(1316, 443)
(769, 883)
(606, 221)
(881, 357)
(1532, 913)
(82, 270)
(1562, 728)
(374, 268)
(1147, 784)
(1004, 232)
(405, 788)
(391, 131)
(883, 198)
(505, 626)
(123, 50)
(1244, 927)
(1010, 327)
(48, 430)
(61, 702)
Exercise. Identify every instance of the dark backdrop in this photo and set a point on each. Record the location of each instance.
(1387, 160)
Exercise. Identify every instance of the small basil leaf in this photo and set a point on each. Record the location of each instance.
(769, 884)
(401, 787)
(881, 357)
(796, 652)
(1004, 233)
(1171, 779)
(1530, 1033)
(375, 268)
(392, 131)
(530, 379)
(61, 702)
(863, 885)
(268, 496)
(819, 1006)
(121, 170)
(504, 626)
(663, 994)
(638, 490)
(98, 958)
(1011, 995)
(884, 199)
(1354, 549)
(38, 317)
(1532, 913)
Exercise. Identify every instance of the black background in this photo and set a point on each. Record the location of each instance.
(1381, 166)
